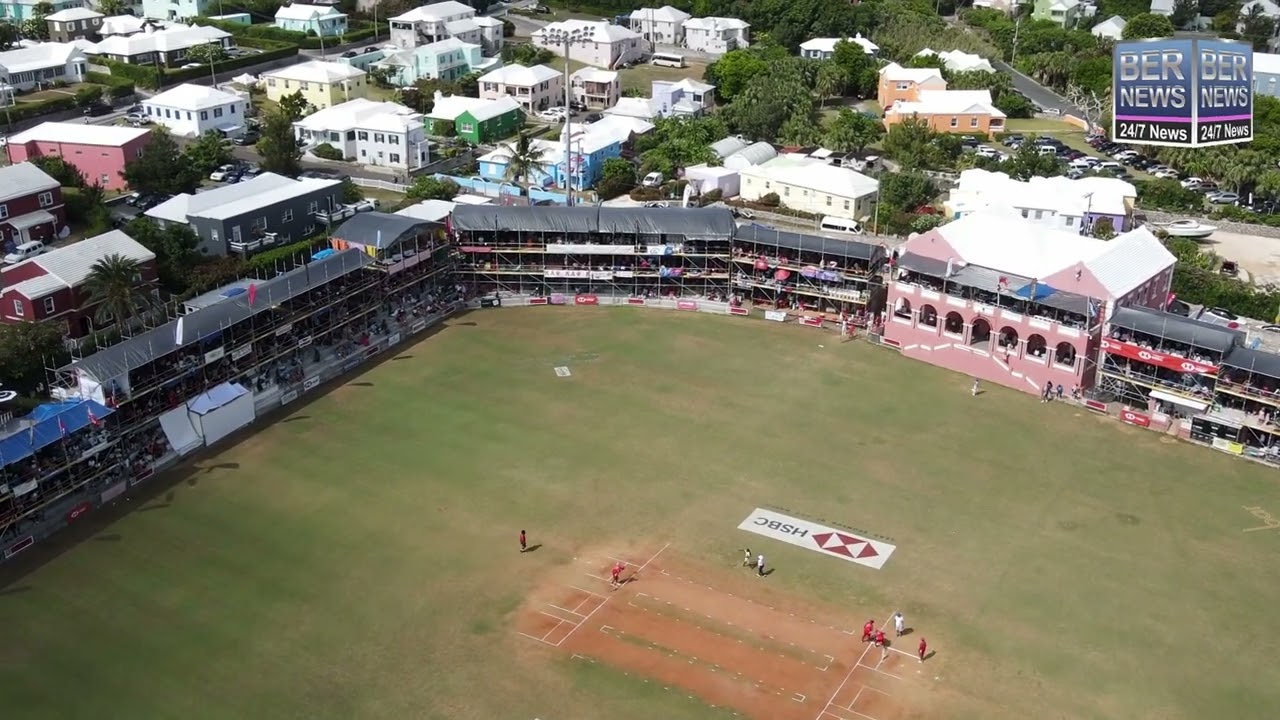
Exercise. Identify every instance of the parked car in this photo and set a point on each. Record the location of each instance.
(657, 204)
(652, 180)
(744, 213)
(1223, 198)
(1166, 174)
(1013, 141)
(137, 119)
(365, 206)
(97, 110)
(250, 137)
(221, 174)
(1229, 268)
(25, 251)
(1188, 182)
(553, 115)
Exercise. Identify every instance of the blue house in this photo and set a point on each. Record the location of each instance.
(448, 60)
(319, 20)
(588, 152)
(19, 10)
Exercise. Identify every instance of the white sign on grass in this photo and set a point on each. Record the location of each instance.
(562, 371)
(814, 536)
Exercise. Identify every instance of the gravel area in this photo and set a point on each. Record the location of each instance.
(1257, 255)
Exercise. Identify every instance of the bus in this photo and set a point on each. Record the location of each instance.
(841, 225)
(674, 60)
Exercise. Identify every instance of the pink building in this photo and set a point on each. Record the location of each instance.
(99, 152)
(1009, 301)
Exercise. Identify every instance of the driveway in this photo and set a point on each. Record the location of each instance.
(1037, 93)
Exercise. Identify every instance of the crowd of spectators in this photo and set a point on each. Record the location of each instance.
(1166, 346)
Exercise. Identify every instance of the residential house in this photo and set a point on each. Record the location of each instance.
(31, 206)
(15, 11)
(1056, 202)
(50, 287)
(810, 185)
(99, 152)
(535, 88)
(1163, 7)
(178, 9)
(385, 134)
(1266, 74)
(1110, 29)
(594, 43)
(725, 147)
(443, 20)
(686, 97)
(589, 148)
(623, 129)
(706, 179)
(951, 111)
(165, 46)
(595, 88)
(476, 120)
(754, 154)
(825, 48)
(1066, 13)
(899, 83)
(633, 107)
(660, 26)
(193, 110)
(716, 35)
(128, 25)
(74, 24)
(322, 84)
(1004, 6)
(321, 20)
(959, 61)
(265, 211)
(36, 66)
(446, 60)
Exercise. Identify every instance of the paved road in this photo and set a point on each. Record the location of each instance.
(1037, 93)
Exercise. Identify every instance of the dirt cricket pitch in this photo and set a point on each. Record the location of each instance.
(723, 637)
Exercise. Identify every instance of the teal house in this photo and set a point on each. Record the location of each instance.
(19, 10)
(320, 20)
(447, 60)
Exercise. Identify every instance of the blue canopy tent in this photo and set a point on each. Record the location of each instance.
(1034, 291)
(51, 422)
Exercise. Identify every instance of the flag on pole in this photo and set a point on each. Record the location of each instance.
(951, 266)
(1094, 309)
(1003, 283)
(177, 331)
(62, 428)
(253, 293)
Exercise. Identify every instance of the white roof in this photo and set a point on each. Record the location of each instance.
(70, 265)
(79, 134)
(316, 71)
(958, 61)
(828, 45)
(177, 37)
(193, 97)
(306, 12)
(1267, 63)
(121, 25)
(493, 108)
(1111, 27)
(715, 23)
(429, 210)
(755, 154)
(707, 172)
(595, 75)
(71, 14)
(633, 107)
(449, 107)
(363, 114)
(463, 26)
(39, 56)
(894, 72)
(1002, 241)
(23, 179)
(666, 13)
(811, 174)
(436, 11)
(472, 199)
(691, 85)
(725, 147)
(590, 31)
(948, 102)
(979, 188)
(519, 75)
(227, 202)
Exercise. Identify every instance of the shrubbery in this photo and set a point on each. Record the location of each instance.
(289, 254)
(327, 152)
(360, 32)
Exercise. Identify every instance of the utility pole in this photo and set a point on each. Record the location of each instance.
(568, 116)
(1017, 25)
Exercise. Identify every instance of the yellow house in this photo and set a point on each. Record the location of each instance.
(322, 84)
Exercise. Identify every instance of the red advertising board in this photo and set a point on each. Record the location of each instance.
(19, 546)
(79, 511)
(586, 300)
(890, 342)
(686, 305)
(1164, 360)
(635, 301)
(738, 311)
(1135, 418)
(475, 249)
(811, 321)
(537, 301)
(1095, 406)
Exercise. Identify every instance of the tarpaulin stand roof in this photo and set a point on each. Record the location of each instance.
(1254, 361)
(48, 429)
(214, 398)
(689, 222)
(809, 243)
(1177, 328)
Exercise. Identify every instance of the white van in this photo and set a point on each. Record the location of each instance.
(668, 60)
(841, 225)
(25, 251)
(652, 180)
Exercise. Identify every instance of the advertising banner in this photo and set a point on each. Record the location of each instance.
(305, 341)
(310, 382)
(890, 343)
(775, 315)
(418, 326)
(570, 274)
(586, 300)
(19, 546)
(686, 305)
(601, 275)
(393, 339)
(79, 511)
(1227, 446)
(838, 543)
(114, 492)
(1135, 418)
(374, 350)
(1168, 362)
(1095, 406)
(143, 474)
(215, 355)
(739, 311)
(635, 301)
(490, 302)
(475, 249)
(288, 397)
(242, 351)
(352, 363)
(538, 301)
(591, 249)
(284, 330)
(557, 299)
(815, 322)
(624, 273)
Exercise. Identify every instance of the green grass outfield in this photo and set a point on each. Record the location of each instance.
(357, 560)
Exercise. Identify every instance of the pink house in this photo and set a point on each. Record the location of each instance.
(1009, 301)
(99, 152)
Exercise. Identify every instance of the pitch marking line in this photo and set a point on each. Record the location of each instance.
(606, 600)
(901, 652)
(575, 587)
(875, 669)
(571, 612)
(848, 675)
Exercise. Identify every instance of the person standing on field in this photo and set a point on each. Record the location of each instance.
(899, 624)
(524, 542)
(616, 575)
(923, 647)
(760, 565)
(868, 630)
(746, 557)
(975, 387)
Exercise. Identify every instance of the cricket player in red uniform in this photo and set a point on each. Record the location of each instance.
(616, 573)
(868, 630)
(923, 647)
(524, 544)
(880, 638)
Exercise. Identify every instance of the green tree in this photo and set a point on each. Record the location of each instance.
(278, 146)
(1168, 195)
(113, 8)
(114, 290)
(831, 82)
(731, 73)
(678, 142)
(1147, 25)
(67, 175)
(524, 158)
(851, 130)
(351, 192)
(427, 187)
(768, 101)
(1184, 11)
(1127, 9)
(26, 349)
(1258, 27)
(206, 54)
(160, 168)
(861, 72)
(904, 192)
(175, 248)
(1027, 162)
(36, 28)
(617, 177)
(86, 208)
(1103, 229)
(294, 106)
(210, 151)
(915, 146)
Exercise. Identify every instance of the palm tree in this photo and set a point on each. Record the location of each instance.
(113, 286)
(831, 82)
(524, 158)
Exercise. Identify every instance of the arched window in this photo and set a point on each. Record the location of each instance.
(981, 333)
(1065, 354)
(1036, 346)
(954, 324)
(929, 316)
(1008, 340)
(904, 308)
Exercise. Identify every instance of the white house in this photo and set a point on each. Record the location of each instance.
(958, 61)
(535, 88)
(443, 20)
(716, 35)
(124, 25)
(662, 26)
(810, 185)
(595, 88)
(594, 43)
(166, 46)
(634, 107)
(686, 97)
(193, 110)
(825, 48)
(1111, 28)
(323, 20)
(369, 132)
(1055, 202)
(34, 66)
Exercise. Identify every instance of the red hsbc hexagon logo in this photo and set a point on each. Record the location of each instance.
(818, 537)
(847, 545)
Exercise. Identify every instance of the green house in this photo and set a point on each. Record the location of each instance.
(494, 120)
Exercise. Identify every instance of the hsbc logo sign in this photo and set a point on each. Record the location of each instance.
(833, 542)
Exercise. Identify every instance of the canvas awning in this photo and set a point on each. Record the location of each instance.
(1179, 400)
(30, 220)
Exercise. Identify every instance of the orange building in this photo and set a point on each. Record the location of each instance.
(969, 112)
(898, 84)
